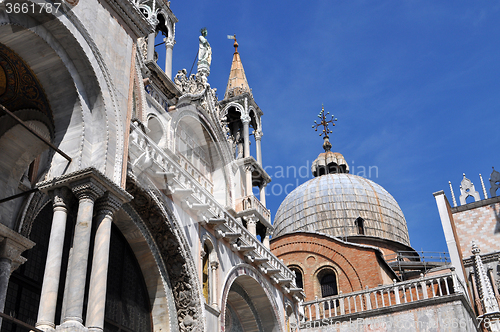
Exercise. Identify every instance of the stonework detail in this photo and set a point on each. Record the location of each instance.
(494, 182)
(184, 284)
(467, 189)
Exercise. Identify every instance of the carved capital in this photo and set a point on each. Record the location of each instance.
(108, 204)
(169, 42)
(87, 189)
(245, 118)
(214, 265)
(258, 134)
(60, 197)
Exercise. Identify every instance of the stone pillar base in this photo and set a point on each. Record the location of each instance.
(71, 326)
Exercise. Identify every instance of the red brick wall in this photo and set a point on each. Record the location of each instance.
(356, 267)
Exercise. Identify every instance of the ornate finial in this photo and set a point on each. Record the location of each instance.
(494, 182)
(452, 195)
(475, 249)
(323, 117)
(467, 189)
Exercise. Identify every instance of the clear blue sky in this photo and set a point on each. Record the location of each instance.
(415, 86)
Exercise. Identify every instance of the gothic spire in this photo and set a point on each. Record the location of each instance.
(237, 83)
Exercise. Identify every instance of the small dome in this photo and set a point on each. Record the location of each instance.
(329, 162)
(332, 204)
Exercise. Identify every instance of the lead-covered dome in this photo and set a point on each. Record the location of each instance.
(332, 204)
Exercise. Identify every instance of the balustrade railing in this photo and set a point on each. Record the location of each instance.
(180, 180)
(251, 202)
(382, 296)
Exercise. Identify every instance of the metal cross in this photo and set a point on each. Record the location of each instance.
(324, 122)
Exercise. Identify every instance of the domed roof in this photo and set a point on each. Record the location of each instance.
(332, 203)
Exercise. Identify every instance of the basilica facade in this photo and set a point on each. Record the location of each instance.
(133, 199)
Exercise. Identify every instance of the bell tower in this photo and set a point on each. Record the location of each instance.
(242, 117)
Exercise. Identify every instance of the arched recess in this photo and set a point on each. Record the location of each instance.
(209, 265)
(247, 301)
(84, 105)
(157, 131)
(204, 153)
(175, 259)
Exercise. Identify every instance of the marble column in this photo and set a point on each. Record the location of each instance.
(252, 225)
(266, 238)
(262, 193)
(106, 207)
(248, 180)
(151, 46)
(87, 191)
(50, 286)
(214, 266)
(258, 136)
(169, 45)
(245, 119)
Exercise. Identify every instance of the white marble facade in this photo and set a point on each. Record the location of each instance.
(151, 156)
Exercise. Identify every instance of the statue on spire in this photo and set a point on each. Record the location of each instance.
(204, 54)
(324, 122)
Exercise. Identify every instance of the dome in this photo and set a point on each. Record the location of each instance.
(332, 203)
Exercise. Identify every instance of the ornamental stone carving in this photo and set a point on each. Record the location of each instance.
(184, 283)
(467, 189)
(195, 85)
(494, 182)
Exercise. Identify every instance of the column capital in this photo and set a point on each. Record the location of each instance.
(87, 188)
(214, 265)
(12, 245)
(108, 204)
(251, 219)
(258, 134)
(60, 197)
(245, 118)
(169, 42)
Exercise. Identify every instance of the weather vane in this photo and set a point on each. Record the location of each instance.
(324, 122)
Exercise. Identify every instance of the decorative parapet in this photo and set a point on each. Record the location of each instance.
(251, 205)
(411, 291)
(149, 160)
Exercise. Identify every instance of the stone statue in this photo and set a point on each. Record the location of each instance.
(204, 54)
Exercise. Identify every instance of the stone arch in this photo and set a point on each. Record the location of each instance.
(249, 294)
(157, 130)
(84, 103)
(174, 255)
(219, 174)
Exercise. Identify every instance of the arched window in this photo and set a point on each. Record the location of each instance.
(328, 284)
(206, 271)
(209, 273)
(360, 225)
(298, 277)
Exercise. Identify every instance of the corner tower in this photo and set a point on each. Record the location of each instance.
(242, 118)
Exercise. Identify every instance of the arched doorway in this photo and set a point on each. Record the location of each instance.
(248, 305)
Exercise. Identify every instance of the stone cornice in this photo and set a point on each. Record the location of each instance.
(99, 178)
(161, 80)
(131, 14)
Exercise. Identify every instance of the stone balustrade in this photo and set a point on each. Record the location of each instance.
(147, 157)
(383, 296)
(251, 205)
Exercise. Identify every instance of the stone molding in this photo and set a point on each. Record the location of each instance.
(12, 245)
(88, 181)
